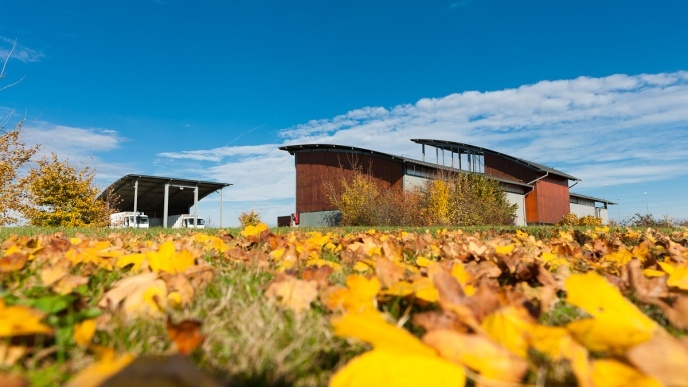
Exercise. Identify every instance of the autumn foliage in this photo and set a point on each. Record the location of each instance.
(14, 156)
(59, 194)
(456, 199)
(593, 307)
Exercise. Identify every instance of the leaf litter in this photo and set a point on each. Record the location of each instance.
(440, 307)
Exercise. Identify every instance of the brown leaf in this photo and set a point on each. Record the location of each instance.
(13, 262)
(388, 272)
(321, 275)
(180, 284)
(51, 274)
(647, 290)
(434, 320)
(200, 275)
(10, 380)
(67, 284)
(186, 335)
(293, 293)
(663, 357)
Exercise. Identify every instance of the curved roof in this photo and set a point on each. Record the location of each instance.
(456, 146)
(337, 148)
(151, 193)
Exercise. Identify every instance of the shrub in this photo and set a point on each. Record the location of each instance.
(648, 220)
(250, 218)
(571, 219)
(454, 199)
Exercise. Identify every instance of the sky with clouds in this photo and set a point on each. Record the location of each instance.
(596, 89)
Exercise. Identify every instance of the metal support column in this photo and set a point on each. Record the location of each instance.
(196, 207)
(220, 207)
(136, 198)
(167, 202)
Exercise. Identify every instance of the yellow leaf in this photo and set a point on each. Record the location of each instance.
(612, 373)
(553, 261)
(359, 296)
(168, 260)
(252, 230)
(509, 327)
(619, 257)
(95, 374)
(423, 262)
(678, 278)
(504, 250)
(372, 328)
(20, 320)
(84, 331)
(381, 367)
(424, 289)
(558, 344)
(616, 324)
(135, 259)
(478, 352)
(653, 273)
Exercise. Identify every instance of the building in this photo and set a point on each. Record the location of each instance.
(160, 197)
(541, 193)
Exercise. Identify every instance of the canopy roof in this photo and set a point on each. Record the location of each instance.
(151, 193)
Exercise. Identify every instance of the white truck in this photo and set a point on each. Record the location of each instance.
(129, 219)
(184, 221)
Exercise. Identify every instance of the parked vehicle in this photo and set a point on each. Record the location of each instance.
(129, 219)
(184, 221)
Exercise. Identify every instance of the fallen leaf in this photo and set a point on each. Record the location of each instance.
(84, 331)
(613, 373)
(381, 367)
(663, 357)
(293, 293)
(18, 320)
(95, 374)
(479, 353)
(359, 295)
(616, 324)
(186, 335)
(12, 262)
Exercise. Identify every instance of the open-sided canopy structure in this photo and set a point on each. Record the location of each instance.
(158, 196)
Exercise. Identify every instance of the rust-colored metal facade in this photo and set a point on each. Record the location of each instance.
(501, 167)
(314, 169)
(549, 200)
(546, 190)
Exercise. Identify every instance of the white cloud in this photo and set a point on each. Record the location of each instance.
(614, 130)
(20, 53)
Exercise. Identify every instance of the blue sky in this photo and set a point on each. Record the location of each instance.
(210, 90)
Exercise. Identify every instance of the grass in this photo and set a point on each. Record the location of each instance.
(249, 340)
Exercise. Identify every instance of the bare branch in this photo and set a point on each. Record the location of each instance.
(12, 84)
(4, 65)
(2, 72)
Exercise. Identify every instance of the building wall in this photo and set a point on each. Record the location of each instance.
(507, 169)
(520, 201)
(319, 219)
(549, 201)
(315, 169)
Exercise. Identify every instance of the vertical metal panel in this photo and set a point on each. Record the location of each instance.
(553, 200)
